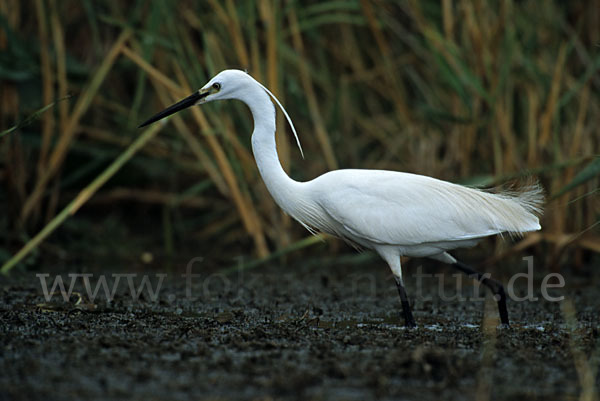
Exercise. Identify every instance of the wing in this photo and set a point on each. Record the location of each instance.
(396, 208)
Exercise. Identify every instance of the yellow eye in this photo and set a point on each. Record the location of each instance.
(216, 86)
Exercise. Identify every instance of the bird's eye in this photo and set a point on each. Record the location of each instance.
(216, 86)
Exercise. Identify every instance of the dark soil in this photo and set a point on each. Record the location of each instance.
(302, 333)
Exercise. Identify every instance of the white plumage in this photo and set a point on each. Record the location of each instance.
(390, 212)
(409, 210)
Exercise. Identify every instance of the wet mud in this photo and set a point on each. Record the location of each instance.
(300, 333)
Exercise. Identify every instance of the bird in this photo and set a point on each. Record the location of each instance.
(392, 213)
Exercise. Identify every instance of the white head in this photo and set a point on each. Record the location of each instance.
(228, 84)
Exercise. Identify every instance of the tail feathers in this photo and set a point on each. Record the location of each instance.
(521, 210)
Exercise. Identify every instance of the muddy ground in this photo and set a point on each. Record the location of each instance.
(302, 332)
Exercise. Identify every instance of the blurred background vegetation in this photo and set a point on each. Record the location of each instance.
(476, 92)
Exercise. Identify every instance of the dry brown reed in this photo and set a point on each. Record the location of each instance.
(474, 92)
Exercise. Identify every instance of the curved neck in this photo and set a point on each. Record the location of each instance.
(264, 148)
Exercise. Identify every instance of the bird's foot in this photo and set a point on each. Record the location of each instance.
(409, 321)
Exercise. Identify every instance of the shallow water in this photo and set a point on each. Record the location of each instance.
(306, 334)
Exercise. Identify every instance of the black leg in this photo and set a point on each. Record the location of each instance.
(496, 288)
(409, 321)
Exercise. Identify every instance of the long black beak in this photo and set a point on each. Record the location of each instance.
(180, 105)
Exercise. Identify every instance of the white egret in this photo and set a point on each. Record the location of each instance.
(393, 213)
